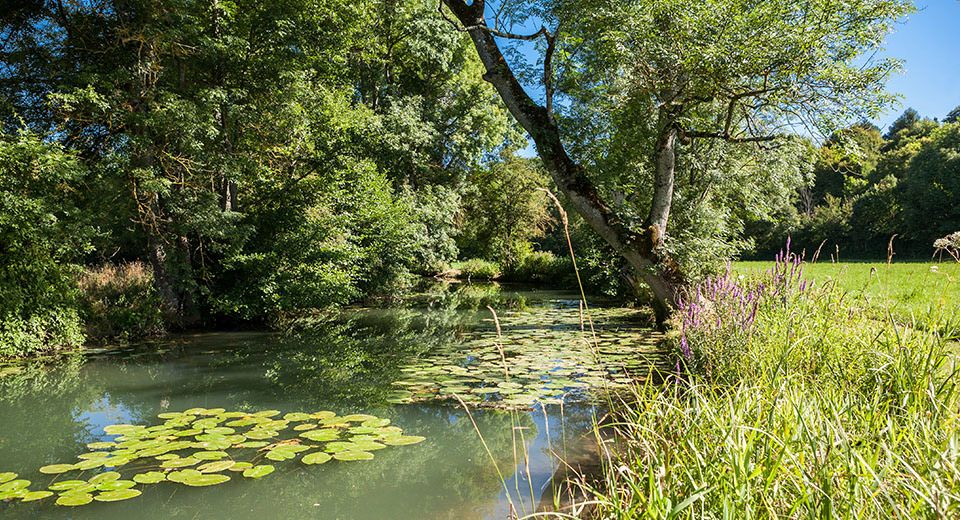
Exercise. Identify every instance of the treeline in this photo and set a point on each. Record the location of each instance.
(246, 158)
(868, 186)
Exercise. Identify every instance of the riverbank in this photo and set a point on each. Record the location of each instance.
(794, 402)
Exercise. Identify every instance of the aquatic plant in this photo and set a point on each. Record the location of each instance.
(545, 363)
(197, 448)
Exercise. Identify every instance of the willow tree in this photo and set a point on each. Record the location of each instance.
(651, 78)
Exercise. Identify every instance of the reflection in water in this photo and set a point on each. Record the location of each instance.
(344, 363)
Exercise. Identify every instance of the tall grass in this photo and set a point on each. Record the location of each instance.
(790, 402)
(120, 302)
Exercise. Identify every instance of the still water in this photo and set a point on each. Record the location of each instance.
(347, 364)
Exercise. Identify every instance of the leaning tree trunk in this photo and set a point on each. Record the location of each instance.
(642, 250)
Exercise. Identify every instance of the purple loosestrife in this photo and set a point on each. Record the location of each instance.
(720, 312)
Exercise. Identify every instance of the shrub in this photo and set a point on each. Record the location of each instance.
(120, 301)
(541, 267)
(477, 269)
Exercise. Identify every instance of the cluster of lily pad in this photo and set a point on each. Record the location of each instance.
(199, 446)
(538, 363)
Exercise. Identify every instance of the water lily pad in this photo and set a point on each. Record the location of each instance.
(375, 423)
(240, 466)
(94, 455)
(296, 417)
(317, 457)
(304, 427)
(180, 476)
(101, 445)
(209, 455)
(7, 477)
(80, 490)
(207, 479)
(14, 484)
(325, 414)
(150, 477)
(180, 463)
(279, 454)
(267, 413)
(339, 446)
(261, 434)
(258, 471)
(56, 469)
(167, 456)
(239, 423)
(403, 440)
(100, 478)
(80, 499)
(36, 495)
(214, 467)
(321, 435)
(89, 464)
(117, 495)
(68, 484)
(353, 455)
(116, 485)
(253, 444)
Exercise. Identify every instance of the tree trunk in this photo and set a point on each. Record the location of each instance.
(641, 250)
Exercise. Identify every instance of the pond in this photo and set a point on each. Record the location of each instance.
(403, 364)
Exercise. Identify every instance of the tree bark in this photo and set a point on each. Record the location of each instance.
(641, 250)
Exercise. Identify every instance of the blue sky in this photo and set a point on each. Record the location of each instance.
(929, 42)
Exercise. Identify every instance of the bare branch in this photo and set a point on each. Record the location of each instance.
(496, 32)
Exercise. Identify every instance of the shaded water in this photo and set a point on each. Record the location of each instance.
(346, 364)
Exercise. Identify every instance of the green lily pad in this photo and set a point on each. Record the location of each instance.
(353, 455)
(214, 467)
(35, 495)
(267, 413)
(209, 455)
(108, 476)
(101, 445)
(322, 415)
(207, 479)
(375, 423)
(403, 440)
(80, 499)
(14, 484)
(179, 463)
(89, 464)
(7, 477)
(258, 471)
(80, 490)
(56, 469)
(240, 466)
(253, 444)
(317, 457)
(150, 477)
(261, 434)
(280, 454)
(304, 427)
(68, 484)
(296, 417)
(117, 495)
(180, 476)
(116, 485)
(321, 435)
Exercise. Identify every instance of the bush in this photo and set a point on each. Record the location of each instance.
(796, 403)
(120, 301)
(541, 267)
(477, 269)
(41, 235)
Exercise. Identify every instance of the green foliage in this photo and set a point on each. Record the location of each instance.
(781, 417)
(41, 236)
(478, 269)
(120, 302)
(931, 186)
(503, 213)
(543, 267)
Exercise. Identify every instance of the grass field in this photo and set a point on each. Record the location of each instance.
(910, 290)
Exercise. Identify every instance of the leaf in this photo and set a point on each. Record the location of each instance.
(150, 477)
(109, 476)
(35, 495)
(116, 496)
(116, 485)
(56, 469)
(80, 499)
(258, 471)
(209, 479)
(14, 484)
(317, 457)
(179, 463)
(403, 440)
(214, 467)
(209, 455)
(6, 477)
(353, 455)
(68, 484)
(321, 435)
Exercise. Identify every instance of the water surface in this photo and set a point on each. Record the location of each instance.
(345, 363)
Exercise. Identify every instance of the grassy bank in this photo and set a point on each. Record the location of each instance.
(791, 402)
